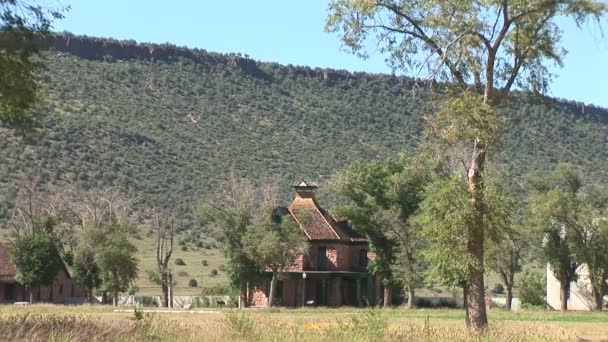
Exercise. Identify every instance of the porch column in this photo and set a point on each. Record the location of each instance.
(358, 291)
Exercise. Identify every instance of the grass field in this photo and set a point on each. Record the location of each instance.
(59, 323)
(193, 268)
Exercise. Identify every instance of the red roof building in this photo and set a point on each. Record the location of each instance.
(333, 270)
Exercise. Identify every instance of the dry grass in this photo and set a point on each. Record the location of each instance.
(57, 323)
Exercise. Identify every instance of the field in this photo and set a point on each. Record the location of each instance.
(193, 258)
(58, 323)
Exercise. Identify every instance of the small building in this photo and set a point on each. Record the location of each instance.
(333, 269)
(63, 290)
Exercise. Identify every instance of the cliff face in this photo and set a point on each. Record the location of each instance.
(110, 50)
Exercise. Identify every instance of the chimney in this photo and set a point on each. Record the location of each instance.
(305, 189)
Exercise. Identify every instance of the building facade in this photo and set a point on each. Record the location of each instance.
(333, 269)
(63, 290)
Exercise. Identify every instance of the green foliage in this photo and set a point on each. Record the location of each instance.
(485, 43)
(20, 22)
(179, 262)
(205, 263)
(213, 272)
(36, 260)
(117, 262)
(498, 289)
(192, 283)
(383, 196)
(532, 289)
(571, 214)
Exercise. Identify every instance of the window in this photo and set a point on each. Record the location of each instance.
(322, 259)
(60, 289)
(363, 258)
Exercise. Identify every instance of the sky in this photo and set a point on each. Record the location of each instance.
(291, 32)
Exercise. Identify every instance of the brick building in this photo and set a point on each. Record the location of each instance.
(64, 289)
(333, 269)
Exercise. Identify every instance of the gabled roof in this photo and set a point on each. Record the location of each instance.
(317, 223)
(7, 268)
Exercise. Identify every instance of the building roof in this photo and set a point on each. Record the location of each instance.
(316, 222)
(7, 268)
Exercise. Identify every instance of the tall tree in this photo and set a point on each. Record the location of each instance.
(384, 196)
(165, 230)
(274, 241)
(231, 214)
(20, 23)
(482, 46)
(116, 259)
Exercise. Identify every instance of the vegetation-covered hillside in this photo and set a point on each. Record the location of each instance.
(166, 125)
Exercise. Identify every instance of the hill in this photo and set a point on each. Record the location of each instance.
(166, 125)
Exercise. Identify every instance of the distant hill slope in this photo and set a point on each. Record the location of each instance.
(167, 124)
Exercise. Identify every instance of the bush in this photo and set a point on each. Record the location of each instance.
(199, 244)
(184, 248)
(192, 283)
(205, 263)
(498, 289)
(179, 262)
(182, 273)
(532, 289)
(213, 272)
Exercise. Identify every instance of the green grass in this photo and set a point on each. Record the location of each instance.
(193, 258)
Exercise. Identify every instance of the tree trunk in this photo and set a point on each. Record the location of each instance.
(564, 289)
(90, 295)
(273, 284)
(475, 302)
(115, 299)
(509, 301)
(411, 297)
(598, 299)
(243, 295)
(388, 297)
(31, 295)
(165, 295)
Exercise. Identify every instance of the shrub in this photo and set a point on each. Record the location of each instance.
(192, 283)
(498, 289)
(179, 262)
(213, 272)
(205, 263)
(182, 273)
(199, 244)
(532, 289)
(184, 248)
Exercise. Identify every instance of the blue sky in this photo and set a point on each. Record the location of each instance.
(291, 32)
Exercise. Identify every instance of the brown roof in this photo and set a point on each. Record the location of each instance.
(7, 268)
(320, 224)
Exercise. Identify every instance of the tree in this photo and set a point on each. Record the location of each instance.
(165, 230)
(231, 214)
(575, 230)
(117, 261)
(505, 257)
(36, 260)
(89, 221)
(384, 196)
(274, 242)
(481, 46)
(21, 22)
